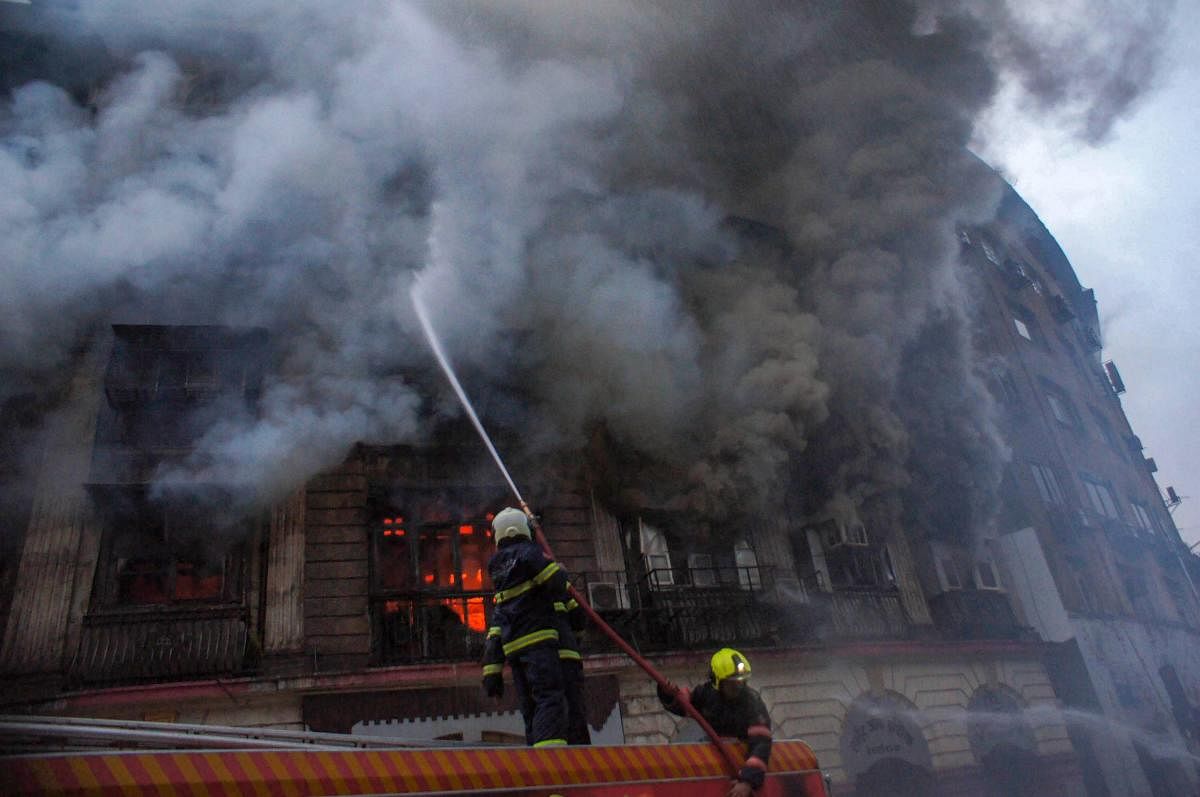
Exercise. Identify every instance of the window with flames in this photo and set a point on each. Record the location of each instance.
(431, 590)
(168, 553)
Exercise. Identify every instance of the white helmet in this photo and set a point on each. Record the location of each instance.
(510, 523)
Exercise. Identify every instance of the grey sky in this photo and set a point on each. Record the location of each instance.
(1126, 213)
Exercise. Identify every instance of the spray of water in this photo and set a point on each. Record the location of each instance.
(444, 361)
(1160, 745)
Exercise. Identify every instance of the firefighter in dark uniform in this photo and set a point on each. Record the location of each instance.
(571, 620)
(524, 630)
(733, 709)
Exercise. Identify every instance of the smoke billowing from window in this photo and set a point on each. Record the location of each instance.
(725, 234)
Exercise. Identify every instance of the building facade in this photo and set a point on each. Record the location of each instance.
(358, 602)
(1057, 653)
(1087, 545)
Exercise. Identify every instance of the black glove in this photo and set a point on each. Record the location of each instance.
(493, 685)
(668, 694)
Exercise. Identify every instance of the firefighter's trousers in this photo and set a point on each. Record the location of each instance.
(538, 677)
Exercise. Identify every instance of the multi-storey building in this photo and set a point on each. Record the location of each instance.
(915, 660)
(1090, 554)
(358, 602)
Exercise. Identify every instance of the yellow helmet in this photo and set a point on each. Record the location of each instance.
(728, 663)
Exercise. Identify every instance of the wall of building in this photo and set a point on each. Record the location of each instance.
(809, 698)
(1124, 659)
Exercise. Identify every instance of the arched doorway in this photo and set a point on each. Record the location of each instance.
(883, 748)
(1003, 743)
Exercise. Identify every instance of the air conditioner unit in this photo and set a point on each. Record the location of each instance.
(607, 595)
(1083, 519)
(835, 534)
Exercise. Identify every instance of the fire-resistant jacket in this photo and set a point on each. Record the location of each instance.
(569, 619)
(744, 717)
(528, 585)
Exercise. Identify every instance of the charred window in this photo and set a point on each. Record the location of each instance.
(837, 554)
(168, 552)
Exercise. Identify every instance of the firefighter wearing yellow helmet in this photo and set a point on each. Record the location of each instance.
(733, 709)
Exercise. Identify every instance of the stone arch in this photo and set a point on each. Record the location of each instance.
(1003, 742)
(883, 748)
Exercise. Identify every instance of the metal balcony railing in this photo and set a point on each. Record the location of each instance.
(412, 628)
(975, 614)
(163, 645)
(684, 608)
(865, 613)
(680, 609)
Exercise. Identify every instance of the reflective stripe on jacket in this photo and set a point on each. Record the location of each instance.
(528, 584)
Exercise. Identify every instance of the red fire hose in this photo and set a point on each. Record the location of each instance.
(647, 667)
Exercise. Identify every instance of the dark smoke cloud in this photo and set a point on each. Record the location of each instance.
(567, 181)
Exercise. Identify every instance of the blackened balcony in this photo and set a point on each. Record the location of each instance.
(975, 614)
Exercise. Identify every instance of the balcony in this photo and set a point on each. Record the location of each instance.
(685, 608)
(975, 614)
(677, 609)
(863, 613)
(162, 645)
(408, 629)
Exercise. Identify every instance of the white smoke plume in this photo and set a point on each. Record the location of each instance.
(702, 227)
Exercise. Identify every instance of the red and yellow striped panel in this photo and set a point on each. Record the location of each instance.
(303, 773)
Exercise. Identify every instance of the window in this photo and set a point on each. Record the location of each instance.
(746, 561)
(1141, 518)
(985, 576)
(989, 252)
(1101, 498)
(430, 552)
(1085, 588)
(1136, 588)
(700, 566)
(1106, 432)
(852, 566)
(1059, 409)
(1003, 386)
(168, 553)
(1047, 484)
(948, 573)
(1060, 406)
(655, 556)
(1026, 324)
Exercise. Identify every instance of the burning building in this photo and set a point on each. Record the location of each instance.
(779, 363)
